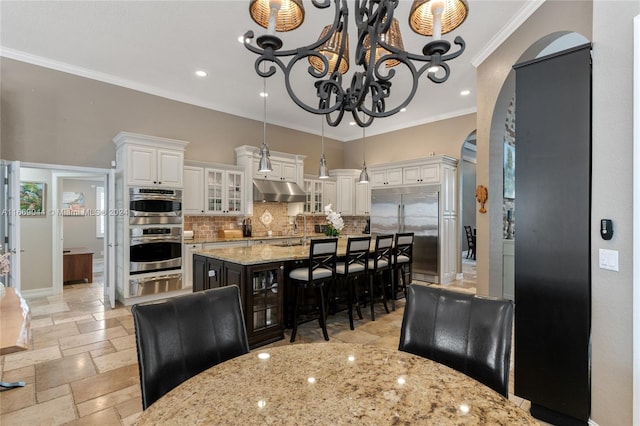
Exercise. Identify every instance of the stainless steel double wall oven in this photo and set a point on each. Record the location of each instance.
(155, 240)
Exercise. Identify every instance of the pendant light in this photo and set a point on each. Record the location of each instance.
(265, 163)
(324, 172)
(364, 176)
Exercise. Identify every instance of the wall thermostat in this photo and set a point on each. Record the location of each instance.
(606, 229)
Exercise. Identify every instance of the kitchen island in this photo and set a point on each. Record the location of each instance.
(259, 271)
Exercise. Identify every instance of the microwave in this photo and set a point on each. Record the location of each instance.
(151, 206)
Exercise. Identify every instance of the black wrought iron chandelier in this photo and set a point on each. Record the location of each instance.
(367, 94)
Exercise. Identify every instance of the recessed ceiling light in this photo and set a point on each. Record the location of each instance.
(264, 94)
(352, 123)
(201, 73)
(465, 92)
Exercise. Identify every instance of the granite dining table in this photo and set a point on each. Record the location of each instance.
(333, 384)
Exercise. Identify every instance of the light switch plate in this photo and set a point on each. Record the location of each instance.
(609, 260)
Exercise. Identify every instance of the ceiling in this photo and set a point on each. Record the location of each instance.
(156, 47)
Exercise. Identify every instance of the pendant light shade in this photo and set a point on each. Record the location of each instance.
(323, 173)
(265, 162)
(423, 16)
(290, 13)
(331, 50)
(392, 37)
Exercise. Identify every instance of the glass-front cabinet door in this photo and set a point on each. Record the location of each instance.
(234, 192)
(224, 192)
(214, 182)
(264, 302)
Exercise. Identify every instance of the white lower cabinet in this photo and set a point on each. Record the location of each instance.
(187, 263)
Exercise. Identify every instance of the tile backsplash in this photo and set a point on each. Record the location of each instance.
(266, 217)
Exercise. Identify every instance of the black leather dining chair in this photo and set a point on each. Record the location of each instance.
(183, 336)
(320, 270)
(471, 242)
(355, 266)
(468, 333)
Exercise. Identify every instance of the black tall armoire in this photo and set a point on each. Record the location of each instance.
(552, 242)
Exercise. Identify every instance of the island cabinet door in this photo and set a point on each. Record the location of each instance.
(207, 273)
(264, 303)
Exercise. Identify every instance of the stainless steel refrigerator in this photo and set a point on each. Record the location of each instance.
(410, 209)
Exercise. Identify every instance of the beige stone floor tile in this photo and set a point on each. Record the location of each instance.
(104, 417)
(116, 360)
(101, 348)
(54, 373)
(112, 314)
(52, 393)
(109, 400)
(25, 374)
(53, 332)
(125, 342)
(92, 337)
(41, 322)
(26, 358)
(102, 384)
(106, 350)
(49, 309)
(54, 412)
(130, 407)
(91, 324)
(17, 398)
(70, 317)
(131, 420)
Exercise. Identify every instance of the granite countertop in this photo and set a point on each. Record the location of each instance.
(266, 253)
(333, 383)
(206, 240)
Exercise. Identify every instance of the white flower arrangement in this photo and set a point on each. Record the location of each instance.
(334, 220)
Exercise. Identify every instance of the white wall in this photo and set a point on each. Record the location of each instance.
(612, 176)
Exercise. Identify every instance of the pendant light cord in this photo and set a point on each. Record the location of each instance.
(264, 100)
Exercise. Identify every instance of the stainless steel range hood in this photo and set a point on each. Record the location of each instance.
(279, 191)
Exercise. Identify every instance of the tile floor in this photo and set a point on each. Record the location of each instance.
(82, 364)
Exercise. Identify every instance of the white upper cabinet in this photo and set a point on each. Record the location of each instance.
(345, 190)
(282, 170)
(363, 199)
(414, 172)
(286, 167)
(213, 189)
(320, 192)
(428, 173)
(193, 193)
(149, 160)
(155, 166)
(386, 177)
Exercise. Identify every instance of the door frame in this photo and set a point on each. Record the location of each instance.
(59, 172)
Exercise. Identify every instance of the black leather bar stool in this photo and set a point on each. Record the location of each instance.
(380, 265)
(354, 267)
(321, 269)
(402, 264)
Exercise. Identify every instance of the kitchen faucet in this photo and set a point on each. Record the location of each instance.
(304, 228)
